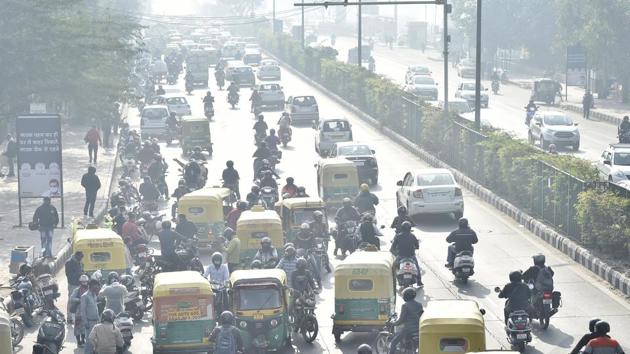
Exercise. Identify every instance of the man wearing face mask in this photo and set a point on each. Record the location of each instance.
(217, 272)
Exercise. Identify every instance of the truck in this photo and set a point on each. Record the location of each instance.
(197, 62)
(417, 34)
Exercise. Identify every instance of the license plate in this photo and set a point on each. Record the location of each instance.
(358, 163)
(546, 301)
(521, 336)
(147, 264)
(466, 270)
(48, 292)
(407, 276)
(19, 311)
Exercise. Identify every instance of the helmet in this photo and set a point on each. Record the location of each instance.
(409, 294)
(318, 215)
(122, 182)
(265, 240)
(539, 259)
(261, 117)
(84, 278)
(256, 264)
(463, 223)
(217, 256)
(625, 118)
(289, 251)
(364, 187)
(300, 252)
(364, 349)
(304, 226)
(301, 264)
(402, 211)
(516, 276)
(255, 189)
(592, 323)
(290, 180)
(229, 163)
(347, 202)
(367, 217)
(301, 189)
(126, 280)
(181, 182)
(241, 205)
(602, 327)
(112, 277)
(108, 316)
(226, 318)
(166, 225)
(405, 226)
(228, 232)
(272, 131)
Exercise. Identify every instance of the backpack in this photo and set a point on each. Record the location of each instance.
(226, 341)
(544, 280)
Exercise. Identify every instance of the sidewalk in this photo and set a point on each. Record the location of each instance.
(75, 164)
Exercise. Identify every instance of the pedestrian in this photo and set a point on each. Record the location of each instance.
(114, 294)
(11, 153)
(74, 269)
(115, 118)
(45, 220)
(106, 338)
(93, 139)
(106, 128)
(75, 302)
(91, 183)
(587, 104)
(88, 311)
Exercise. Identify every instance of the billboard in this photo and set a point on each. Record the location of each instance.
(576, 66)
(39, 156)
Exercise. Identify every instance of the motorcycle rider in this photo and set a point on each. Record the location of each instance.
(368, 234)
(260, 128)
(114, 293)
(262, 153)
(155, 145)
(217, 271)
(304, 238)
(284, 123)
(402, 217)
(365, 201)
(105, 337)
(253, 197)
(168, 239)
(462, 239)
(290, 189)
(410, 314)
(189, 80)
(185, 227)
(156, 171)
(288, 263)
(181, 190)
(130, 230)
(346, 213)
(267, 254)
(517, 294)
(255, 99)
(148, 190)
(265, 166)
(160, 91)
(405, 245)
(268, 180)
(233, 90)
(602, 343)
(624, 127)
(272, 141)
(146, 154)
(302, 279)
(219, 75)
(235, 214)
(318, 227)
(197, 154)
(540, 275)
(587, 337)
(128, 190)
(313, 267)
(172, 123)
(208, 100)
(231, 178)
(531, 106)
(193, 174)
(301, 193)
(226, 337)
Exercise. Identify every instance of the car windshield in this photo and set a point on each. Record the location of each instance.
(436, 179)
(259, 298)
(420, 70)
(423, 80)
(304, 101)
(622, 158)
(558, 120)
(354, 150)
(269, 87)
(303, 215)
(335, 126)
(154, 113)
(244, 69)
(469, 87)
(176, 100)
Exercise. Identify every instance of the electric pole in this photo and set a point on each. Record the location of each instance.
(359, 51)
(478, 70)
(446, 39)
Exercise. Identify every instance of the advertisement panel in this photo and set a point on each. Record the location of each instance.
(39, 156)
(576, 66)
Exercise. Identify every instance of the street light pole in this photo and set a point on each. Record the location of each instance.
(478, 70)
(273, 21)
(446, 39)
(359, 51)
(303, 24)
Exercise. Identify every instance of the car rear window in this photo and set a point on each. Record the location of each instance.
(269, 87)
(176, 100)
(361, 285)
(622, 158)
(154, 113)
(437, 179)
(336, 126)
(304, 101)
(354, 150)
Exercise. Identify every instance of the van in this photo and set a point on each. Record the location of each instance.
(153, 121)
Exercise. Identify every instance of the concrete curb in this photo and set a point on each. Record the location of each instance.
(578, 253)
(594, 113)
(66, 252)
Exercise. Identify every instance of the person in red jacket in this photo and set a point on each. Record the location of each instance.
(93, 139)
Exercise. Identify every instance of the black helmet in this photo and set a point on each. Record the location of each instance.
(226, 318)
(255, 189)
(181, 182)
(272, 131)
(241, 205)
(516, 276)
(409, 294)
(602, 327)
(108, 316)
(126, 280)
(229, 163)
(301, 189)
(364, 349)
(301, 264)
(112, 277)
(463, 223)
(539, 259)
(592, 323)
(228, 232)
(625, 118)
(256, 264)
(166, 225)
(402, 210)
(405, 226)
(290, 180)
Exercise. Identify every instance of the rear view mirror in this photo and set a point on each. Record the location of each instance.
(373, 151)
(497, 289)
(399, 183)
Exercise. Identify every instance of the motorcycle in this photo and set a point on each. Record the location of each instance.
(51, 334)
(232, 99)
(172, 133)
(495, 86)
(321, 254)
(624, 136)
(545, 305)
(463, 266)
(187, 258)
(305, 320)
(25, 301)
(124, 323)
(408, 345)
(50, 290)
(407, 274)
(150, 224)
(220, 292)
(220, 81)
(285, 136)
(347, 237)
(189, 87)
(529, 114)
(171, 79)
(130, 167)
(208, 110)
(17, 327)
(269, 197)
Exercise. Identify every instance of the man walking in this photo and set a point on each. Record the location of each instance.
(587, 104)
(11, 153)
(46, 219)
(93, 139)
(91, 183)
(74, 269)
(106, 128)
(88, 310)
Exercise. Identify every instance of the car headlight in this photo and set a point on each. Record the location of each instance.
(242, 324)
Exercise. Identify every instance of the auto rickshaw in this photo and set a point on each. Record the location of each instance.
(206, 208)
(295, 211)
(183, 313)
(103, 250)
(365, 292)
(337, 179)
(6, 340)
(195, 132)
(260, 303)
(255, 224)
(452, 326)
(545, 90)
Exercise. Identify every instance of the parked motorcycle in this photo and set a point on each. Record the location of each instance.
(17, 327)
(495, 86)
(407, 274)
(408, 345)
(463, 266)
(51, 334)
(25, 300)
(130, 167)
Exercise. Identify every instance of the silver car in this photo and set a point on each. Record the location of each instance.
(552, 127)
(430, 191)
(423, 86)
(179, 105)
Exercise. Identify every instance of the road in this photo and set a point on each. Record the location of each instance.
(505, 110)
(503, 246)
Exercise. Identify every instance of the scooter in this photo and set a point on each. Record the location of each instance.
(285, 136)
(233, 99)
(407, 274)
(208, 110)
(495, 86)
(189, 87)
(125, 324)
(529, 114)
(463, 266)
(51, 334)
(518, 330)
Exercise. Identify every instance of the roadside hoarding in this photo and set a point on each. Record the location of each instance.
(576, 66)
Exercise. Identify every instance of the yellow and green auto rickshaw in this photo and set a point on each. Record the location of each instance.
(365, 292)
(336, 179)
(452, 326)
(103, 250)
(252, 226)
(206, 208)
(195, 132)
(295, 211)
(183, 313)
(260, 303)
(6, 335)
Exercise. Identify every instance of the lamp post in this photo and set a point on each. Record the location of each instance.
(478, 70)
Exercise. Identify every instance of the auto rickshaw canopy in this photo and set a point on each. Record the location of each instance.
(301, 203)
(329, 167)
(178, 283)
(103, 249)
(203, 205)
(360, 268)
(256, 223)
(452, 326)
(252, 276)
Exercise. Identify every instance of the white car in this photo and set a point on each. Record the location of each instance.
(153, 121)
(614, 164)
(416, 70)
(553, 127)
(302, 109)
(466, 91)
(179, 105)
(269, 71)
(430, 191)
(423, 86)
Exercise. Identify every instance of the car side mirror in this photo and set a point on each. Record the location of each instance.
(483, 311)
(607, 162)
(373, 151)
(497, 289)
(576, 124)
(399, 183)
